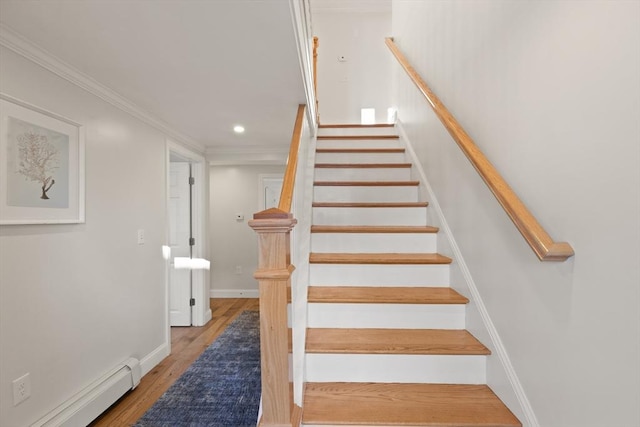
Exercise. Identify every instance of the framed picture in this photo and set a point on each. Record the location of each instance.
(41, 165)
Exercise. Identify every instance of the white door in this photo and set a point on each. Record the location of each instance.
(179, 235)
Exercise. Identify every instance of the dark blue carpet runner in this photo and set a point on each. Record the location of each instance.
(221, 388)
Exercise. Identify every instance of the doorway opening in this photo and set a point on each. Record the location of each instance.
(187, 296)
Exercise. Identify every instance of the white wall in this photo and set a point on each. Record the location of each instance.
(234, 189)
(550, 92)
(76, 300)
(363, 80)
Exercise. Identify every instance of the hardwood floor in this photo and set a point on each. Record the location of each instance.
(186, 345)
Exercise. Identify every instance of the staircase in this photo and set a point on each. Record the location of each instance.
(386, 343)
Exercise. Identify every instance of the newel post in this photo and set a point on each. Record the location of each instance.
(274, 276)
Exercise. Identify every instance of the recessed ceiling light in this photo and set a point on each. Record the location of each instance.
(238, 129)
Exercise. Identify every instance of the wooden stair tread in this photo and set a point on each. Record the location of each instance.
(384, 295)
(360, 150)
(366, 183)
(362, 165)
(355, 125)
(356, 137)
(405, 404)
(393, 341)
(378, 258)
(370, 204)
(373, 229)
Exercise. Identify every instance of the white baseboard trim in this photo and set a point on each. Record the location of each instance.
(234, 293)
(496, 341)
(90, 402)
(208, 315)
(152, 359)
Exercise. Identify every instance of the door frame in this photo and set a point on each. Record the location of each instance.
(201, 312)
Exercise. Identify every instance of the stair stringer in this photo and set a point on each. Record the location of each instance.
(300, 249)
(501, 375)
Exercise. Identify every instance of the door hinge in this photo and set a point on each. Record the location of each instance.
(192, 180)
(192, 241)
(192, 302)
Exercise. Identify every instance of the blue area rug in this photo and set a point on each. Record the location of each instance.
(221, 388)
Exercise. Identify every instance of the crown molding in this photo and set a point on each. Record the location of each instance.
(247, 155)
(355, 6)
(14, 41)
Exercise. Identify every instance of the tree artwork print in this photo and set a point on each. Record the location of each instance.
(38, 160)
(40, 166)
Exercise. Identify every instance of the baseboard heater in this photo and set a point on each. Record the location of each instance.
(88, 404)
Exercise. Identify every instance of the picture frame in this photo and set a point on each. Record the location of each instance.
(42, 175)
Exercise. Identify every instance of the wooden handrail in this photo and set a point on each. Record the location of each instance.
(286, 195)
(539, 240)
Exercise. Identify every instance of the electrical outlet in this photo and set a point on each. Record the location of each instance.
(141, 237)
(21, 389)
(238, 269)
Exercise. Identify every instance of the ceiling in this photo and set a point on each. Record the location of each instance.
(200, 67)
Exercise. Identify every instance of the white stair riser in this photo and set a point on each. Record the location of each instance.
(332, 193)
(363, 174)
(429, 275)
(359, 143)
(387, 130)
(374, 242)
(370, 216)
(442, 369)
(399, 316)
(360, 158)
